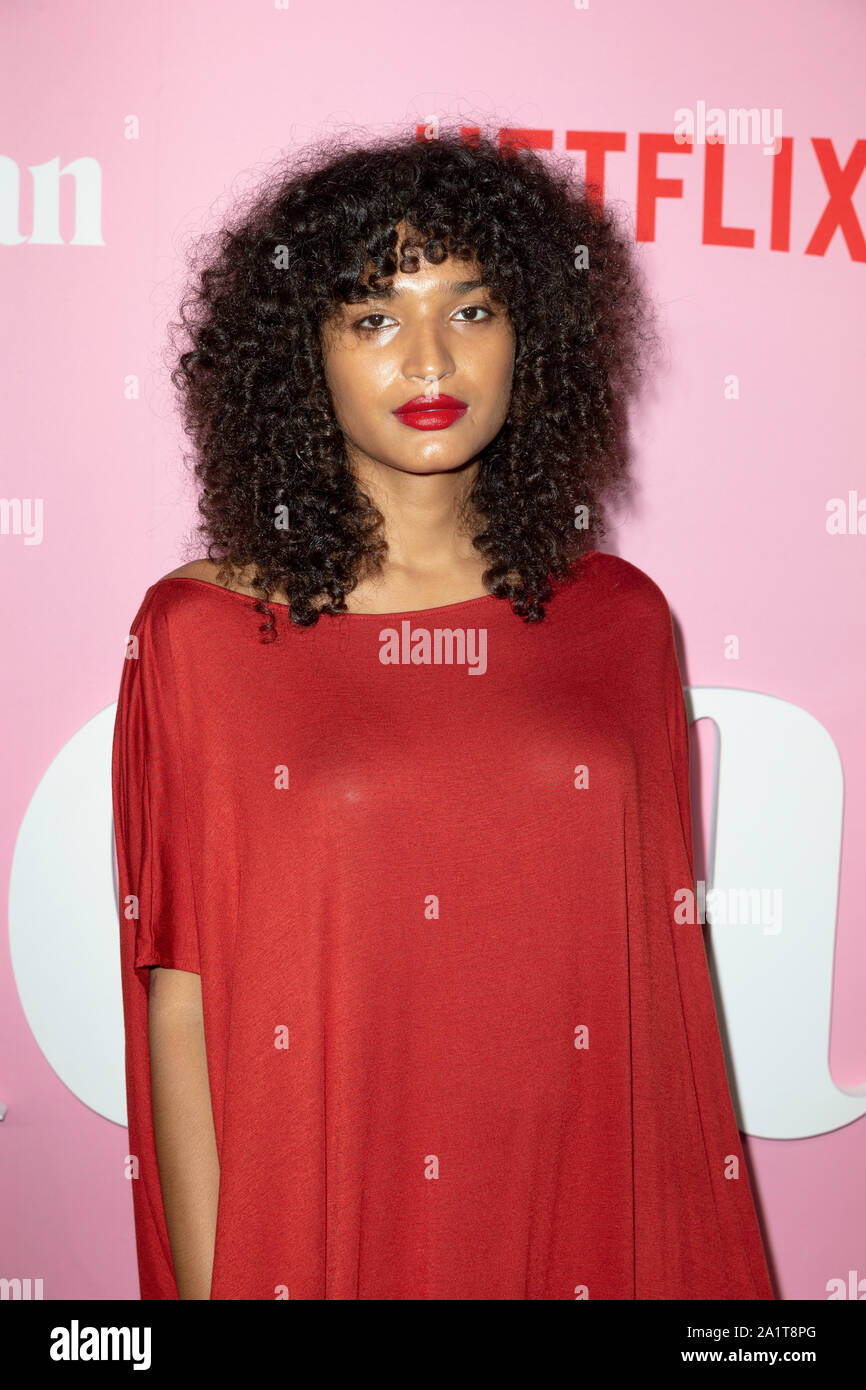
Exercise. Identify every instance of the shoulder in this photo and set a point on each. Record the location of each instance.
(623, 592)
(618, 578)
(165, 602)
(194, 569)
(165, 596)
(221, 576)
(210, 572)
(166, 630)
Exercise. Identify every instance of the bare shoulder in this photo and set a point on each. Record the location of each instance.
(197, 569)
(224, 576)
(212, 572)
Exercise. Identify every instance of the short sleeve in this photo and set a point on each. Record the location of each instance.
(156, 899)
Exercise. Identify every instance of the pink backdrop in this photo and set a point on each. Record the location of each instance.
(181, 106)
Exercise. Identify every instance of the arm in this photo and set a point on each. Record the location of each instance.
(183, 1126)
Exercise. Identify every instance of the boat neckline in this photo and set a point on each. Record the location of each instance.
(401, 613)
(278, 603)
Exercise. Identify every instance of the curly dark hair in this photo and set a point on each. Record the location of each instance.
(255, 399)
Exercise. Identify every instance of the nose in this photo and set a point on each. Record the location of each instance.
(427, 357)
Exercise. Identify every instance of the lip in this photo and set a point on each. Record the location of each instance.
(431, 412)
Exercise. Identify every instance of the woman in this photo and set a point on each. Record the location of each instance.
(409, 1012)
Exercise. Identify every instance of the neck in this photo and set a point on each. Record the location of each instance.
(425, 527)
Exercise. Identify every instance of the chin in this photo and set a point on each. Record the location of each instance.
(431, 465)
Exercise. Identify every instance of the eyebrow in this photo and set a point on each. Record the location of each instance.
(455, 287)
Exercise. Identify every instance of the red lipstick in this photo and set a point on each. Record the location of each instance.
(431, 412)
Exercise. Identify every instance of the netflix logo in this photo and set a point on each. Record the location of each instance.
(704, 177)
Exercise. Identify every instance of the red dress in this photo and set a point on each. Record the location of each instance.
(458, 1046)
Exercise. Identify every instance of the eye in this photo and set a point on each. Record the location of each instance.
(359, 325)
(475, 309)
